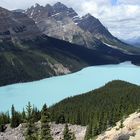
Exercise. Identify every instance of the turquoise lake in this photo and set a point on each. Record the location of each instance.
(54, 89)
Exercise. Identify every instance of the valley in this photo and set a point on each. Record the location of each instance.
(65, 76)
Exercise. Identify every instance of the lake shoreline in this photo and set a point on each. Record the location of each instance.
(54, 89)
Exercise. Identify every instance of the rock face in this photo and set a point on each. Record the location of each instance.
(60, 22)
(26, 54)
(56, 130)
(16, 25)
(94, 26)
(130, 131)
(13, 134)
(64, 23)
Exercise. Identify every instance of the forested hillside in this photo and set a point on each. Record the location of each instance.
(100, 108)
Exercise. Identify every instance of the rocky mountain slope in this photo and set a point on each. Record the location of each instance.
(62, 22)
(15, 25)
(58, 21)
(27, 54)
(56, 131)
(134, 41)
(130, 131)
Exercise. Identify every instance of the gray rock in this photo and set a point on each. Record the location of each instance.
(16, 25)
(59, 21)
(56, 131)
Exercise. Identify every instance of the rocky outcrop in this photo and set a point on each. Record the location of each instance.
(94, 26)
(130, 131)
(13, 134)
(56, 130)
(59, 21)
(59, 69)
(16, 25)
(64, 23)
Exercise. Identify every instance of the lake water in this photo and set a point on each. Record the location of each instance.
(52, 90)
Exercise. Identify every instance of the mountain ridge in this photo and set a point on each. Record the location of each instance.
(65, 24)
(14, 25)
(26, 54)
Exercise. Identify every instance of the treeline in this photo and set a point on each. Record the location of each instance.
(99, 109)
(30, 117)
(17, 117)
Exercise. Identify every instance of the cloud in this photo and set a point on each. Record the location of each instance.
(133, 2)
(121, 17)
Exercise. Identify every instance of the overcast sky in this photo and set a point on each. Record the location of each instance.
(121, 17)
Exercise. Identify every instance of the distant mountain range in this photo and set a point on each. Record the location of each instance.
(27, 53)
(134, 41)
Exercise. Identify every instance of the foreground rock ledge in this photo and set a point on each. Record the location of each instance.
(56, 130)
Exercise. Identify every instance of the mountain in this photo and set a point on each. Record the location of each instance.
(26, 54)
(27, 60)
(99, 109)
(19, 10)
(96, 28)
(16, 25)
(134, 41)
(64, 23)
(57, 21)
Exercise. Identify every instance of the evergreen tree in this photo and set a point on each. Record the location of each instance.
(89, 132)
(23, 115)
(31, 131)
(4, 119)
(36, 114)
(61, 118)
(45, 124)
(67, 134)
(121, 123)
(96, 130)
(15, 118)
(78, 121)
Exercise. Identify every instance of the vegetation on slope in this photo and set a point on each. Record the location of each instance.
(28, 60)
(99, 109)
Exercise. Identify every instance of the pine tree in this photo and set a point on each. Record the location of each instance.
(31, 131)
(45, 126)
(121, 123)
(61, 118)
(67, 134)
(89, 132)
(4, 119)
(78, 121)
(23, 115)
(36, 114)
(15, 118)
